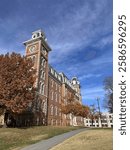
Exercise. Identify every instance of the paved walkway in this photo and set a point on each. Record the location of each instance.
(49, 143)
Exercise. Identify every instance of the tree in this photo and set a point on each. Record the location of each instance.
(17, 78)
(108, 86)
(74, 108)
(84, 111)
(93, 113)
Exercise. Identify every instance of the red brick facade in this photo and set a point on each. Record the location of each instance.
(52, 86)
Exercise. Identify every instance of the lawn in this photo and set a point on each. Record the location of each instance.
(95, 139)
(14, 138)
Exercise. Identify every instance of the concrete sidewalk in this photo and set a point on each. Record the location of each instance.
(49, 143)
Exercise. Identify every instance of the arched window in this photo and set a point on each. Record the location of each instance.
(59, 112)
(56, 97)
(44, 65)
(51, 95)
(42, 89)
(52, 83)
(43, 61)
(59, 98)
(51, 110)
(42, 74)
(56, 110)
(33, 58)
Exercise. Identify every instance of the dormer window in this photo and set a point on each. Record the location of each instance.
(38, 34)
(34, 36)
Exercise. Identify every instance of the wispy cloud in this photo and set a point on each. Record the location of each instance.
(83, 77)
(91, 93)
(79, 33)
(104, 41)
(105, 58)
(78, 29)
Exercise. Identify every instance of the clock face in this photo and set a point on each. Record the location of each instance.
(32, 48)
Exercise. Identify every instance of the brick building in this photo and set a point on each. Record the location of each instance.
(52, 86)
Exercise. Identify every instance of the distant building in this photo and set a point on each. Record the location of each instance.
(105, 121)
(52, 86)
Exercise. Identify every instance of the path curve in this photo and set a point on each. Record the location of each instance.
(51, 142)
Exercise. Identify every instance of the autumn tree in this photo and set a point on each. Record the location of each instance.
(74, 108)
(16, 83)
(68, 105)
(108, 86)
(84, 111)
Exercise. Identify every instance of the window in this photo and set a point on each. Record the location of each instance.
(44, 65)
(51, 110)
(59, 112)
(56, 86)
(55, 74)
(56, 110)
(110, 116)
(33, 58)
(51, 95)
(42, 89)
(51, 83)
(59, 89)
(52, 71)
(59, 98)
(59, 78)
(42, 61)
(104, 121)
(42, 74)
(56, 96)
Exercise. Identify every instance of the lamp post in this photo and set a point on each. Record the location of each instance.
(100, 124)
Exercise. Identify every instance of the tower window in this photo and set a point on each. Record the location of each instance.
(42, 61)
(42, 89)
(33, 58)
(42, 75)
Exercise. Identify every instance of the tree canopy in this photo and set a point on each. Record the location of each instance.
(74, 107)
(16, 82)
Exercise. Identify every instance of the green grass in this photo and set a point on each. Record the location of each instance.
(14, 138)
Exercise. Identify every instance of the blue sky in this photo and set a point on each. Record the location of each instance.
(78, 31)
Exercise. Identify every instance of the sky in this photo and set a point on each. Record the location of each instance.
(79, 32)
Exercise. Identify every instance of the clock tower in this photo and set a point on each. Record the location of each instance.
(37, 49)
